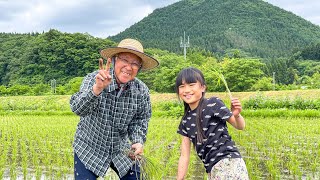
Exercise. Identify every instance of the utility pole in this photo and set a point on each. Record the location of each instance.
(53, 86)
(274, 80)
(184, 44)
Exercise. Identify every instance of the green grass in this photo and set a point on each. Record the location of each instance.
(276, 144)
(37, 144)
(282, 147)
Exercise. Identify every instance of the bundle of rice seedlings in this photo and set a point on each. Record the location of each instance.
(226, 85)
(220, 77)
(149, 170)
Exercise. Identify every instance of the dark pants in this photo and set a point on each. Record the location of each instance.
(80, 171)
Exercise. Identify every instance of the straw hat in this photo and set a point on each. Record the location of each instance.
(131, 46)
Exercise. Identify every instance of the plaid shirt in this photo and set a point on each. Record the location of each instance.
(110, 124)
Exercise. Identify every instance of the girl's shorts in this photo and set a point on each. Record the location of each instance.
(229, 168)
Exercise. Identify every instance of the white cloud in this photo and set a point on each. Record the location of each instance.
(100, 18)
(28, 16)
(103, 18)
(307, 9)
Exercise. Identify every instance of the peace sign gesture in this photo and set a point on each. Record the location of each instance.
(103, 78)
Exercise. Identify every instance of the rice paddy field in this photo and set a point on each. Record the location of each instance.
(36, 135)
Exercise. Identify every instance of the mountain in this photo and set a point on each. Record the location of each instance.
(255, 27)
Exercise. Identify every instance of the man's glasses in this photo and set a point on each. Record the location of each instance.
(134, 66)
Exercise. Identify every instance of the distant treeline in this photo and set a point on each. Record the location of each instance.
(29, 64)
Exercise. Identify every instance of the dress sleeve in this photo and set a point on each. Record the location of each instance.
(182, 129)
(218, 109)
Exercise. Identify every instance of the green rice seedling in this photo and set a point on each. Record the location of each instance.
(13, 170)
(163, 144)
(226, 85)
(314, 166)
(278, 135)
(24, 157)
(1, 172)
(38, 172)
(170, 159)
(219, 78)
(3, 159)
(148, 168)
(58, 174)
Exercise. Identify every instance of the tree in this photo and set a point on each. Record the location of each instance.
(284, 68)
(315, 82)
(311, 52)
(164, 79)
(241, 74)
(263, 84)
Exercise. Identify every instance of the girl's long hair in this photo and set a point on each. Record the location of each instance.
(192, 75)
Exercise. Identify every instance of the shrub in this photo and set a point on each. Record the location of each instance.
(168, 108)
(264, 102)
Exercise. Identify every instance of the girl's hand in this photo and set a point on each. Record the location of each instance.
(236, 107)
(236, 120)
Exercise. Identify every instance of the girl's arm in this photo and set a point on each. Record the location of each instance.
(236, 120)
(184, 158)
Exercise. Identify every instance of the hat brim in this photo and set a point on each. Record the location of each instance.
(148, 62)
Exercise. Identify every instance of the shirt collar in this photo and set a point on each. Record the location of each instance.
(114, 85)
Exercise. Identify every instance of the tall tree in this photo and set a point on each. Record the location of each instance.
(241, 74)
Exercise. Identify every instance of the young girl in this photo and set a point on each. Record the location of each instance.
(204, 124)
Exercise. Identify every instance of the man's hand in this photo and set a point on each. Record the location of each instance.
(137, 148)
(103, 78)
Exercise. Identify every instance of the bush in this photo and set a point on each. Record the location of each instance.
(18, 89)
(168, 109)
(41, 89)
(264, 84)
(3, 90)
(73, 85)
(264, 102)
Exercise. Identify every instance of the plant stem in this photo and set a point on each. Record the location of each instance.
(226, 85)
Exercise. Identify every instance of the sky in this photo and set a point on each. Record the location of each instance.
(103, 18)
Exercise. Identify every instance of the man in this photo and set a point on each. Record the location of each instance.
(114, 108)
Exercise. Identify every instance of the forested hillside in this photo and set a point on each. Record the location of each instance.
(255, 27)
(255, 45)
(38, 58)
(29, 63)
